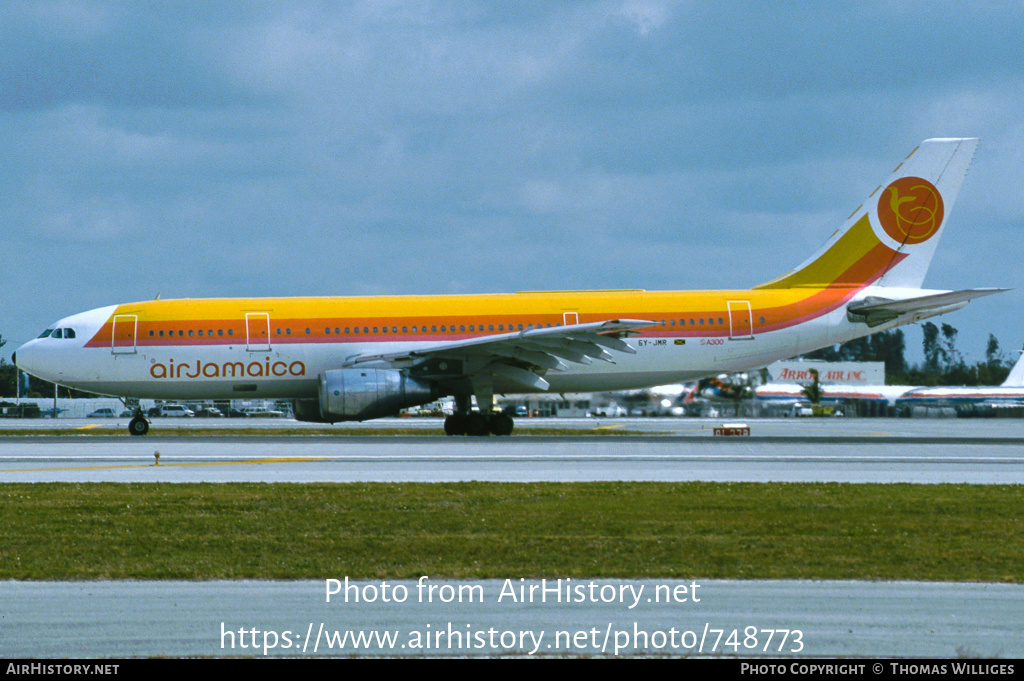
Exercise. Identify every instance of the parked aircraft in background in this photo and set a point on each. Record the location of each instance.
(343, 359)
(969, 399)
(736, 387)
(831, 395)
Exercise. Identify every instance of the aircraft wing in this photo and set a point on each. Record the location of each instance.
(875, 311)
(520, 356)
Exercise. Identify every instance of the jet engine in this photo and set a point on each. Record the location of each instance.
(363, 394)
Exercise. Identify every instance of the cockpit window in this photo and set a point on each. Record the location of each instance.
(59, 333)
(46, 333)
(69, 333)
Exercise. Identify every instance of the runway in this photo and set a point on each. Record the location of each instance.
(835, 619)
(604, 618)
(840, 450)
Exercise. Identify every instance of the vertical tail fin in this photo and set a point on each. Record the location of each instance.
(890, 239)
(1016, 377)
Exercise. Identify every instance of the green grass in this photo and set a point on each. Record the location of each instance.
(488, 530)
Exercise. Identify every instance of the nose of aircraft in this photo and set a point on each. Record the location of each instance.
(27, 358)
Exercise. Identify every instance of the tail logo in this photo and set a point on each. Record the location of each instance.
(910, 210)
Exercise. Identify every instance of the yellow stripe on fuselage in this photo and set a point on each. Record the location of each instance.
(696, 313)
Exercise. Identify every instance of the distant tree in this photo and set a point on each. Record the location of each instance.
(813, 391)
(8, 380)
(933, 352)
(953, 356)
(8, 375)
(889, 347)
(993, 355)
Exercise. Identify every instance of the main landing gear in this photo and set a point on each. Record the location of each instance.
(465, 421)
(476, 423)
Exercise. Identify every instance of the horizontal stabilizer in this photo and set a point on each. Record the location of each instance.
(875, 311)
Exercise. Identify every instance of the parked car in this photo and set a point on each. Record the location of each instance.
(262, 412)
(103, 413)
(209, 412)
(173, 410)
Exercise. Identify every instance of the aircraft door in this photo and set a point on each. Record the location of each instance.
(123, 336)
(257, 331)
(741, 325)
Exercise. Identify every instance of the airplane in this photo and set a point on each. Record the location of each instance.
(734, 388)
(834, 395)
(359, 358)
(967, 399)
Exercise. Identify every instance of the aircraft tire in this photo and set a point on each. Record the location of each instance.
(138, 426)
(502, 424)
(476, 424)
(455, 425)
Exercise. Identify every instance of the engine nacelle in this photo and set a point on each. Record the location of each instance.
(363, 394)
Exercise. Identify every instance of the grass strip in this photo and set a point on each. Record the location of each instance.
(488, 530)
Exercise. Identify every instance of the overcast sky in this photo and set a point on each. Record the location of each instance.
(198, 149)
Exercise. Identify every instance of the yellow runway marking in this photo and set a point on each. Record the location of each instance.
(92, 425)
(170, 465)
(617, 425)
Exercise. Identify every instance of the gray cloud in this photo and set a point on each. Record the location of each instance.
(364, 147)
